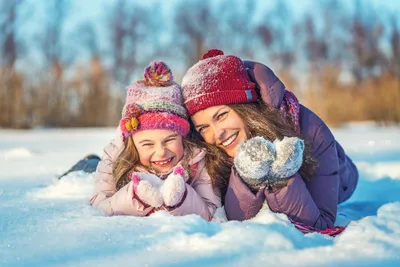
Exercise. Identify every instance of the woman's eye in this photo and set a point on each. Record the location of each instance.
(169, 140)
(201, 129)
(222, 115)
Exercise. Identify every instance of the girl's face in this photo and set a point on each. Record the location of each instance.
(160, 150)
(221, 126)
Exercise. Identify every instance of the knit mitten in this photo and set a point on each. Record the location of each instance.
(253, 161)
(147, 187)
(289, 158)
(174, 187)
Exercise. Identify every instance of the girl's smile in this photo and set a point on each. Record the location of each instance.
(159, 149)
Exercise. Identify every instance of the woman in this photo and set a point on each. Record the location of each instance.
(228, 112)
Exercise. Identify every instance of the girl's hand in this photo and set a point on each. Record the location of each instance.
(146, 187)
(174, 187)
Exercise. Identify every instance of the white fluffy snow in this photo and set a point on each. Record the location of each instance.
(46, 222)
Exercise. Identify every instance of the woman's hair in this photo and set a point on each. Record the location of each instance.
(261, 120)
(218, 163)
(129, 160)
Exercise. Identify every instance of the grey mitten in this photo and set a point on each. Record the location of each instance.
(261, 163)
(253, 161)
(289, 158)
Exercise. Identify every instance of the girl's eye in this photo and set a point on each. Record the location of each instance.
(147, 144)
(222, 115)
(169, 140)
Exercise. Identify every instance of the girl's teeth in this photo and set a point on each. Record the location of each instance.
(162, 162)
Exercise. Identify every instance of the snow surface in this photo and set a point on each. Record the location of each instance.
(45, 222)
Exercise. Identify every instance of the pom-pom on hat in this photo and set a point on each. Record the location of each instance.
(217, 79)
(154, 103)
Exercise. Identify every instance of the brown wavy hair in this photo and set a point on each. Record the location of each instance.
(261, 120)
(218, 163)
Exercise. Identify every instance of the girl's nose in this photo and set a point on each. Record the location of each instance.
(161, 151)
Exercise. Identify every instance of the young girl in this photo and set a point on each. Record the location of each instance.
(150, 166)
(306, 180)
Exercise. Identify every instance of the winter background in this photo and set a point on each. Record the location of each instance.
(48, 222)
(65, 63)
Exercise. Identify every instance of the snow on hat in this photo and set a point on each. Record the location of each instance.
(217, 79)
(154, 103)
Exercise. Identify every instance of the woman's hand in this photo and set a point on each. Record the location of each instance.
(253, 161)
(289, 157)
(261, 163)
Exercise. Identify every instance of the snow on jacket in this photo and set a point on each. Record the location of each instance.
(311, 202)
(200, 197)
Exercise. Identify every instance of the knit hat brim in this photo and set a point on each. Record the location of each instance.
(162, 121)
(217, 98)
(217, 79)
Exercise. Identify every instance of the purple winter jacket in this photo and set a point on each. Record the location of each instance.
(311, 202)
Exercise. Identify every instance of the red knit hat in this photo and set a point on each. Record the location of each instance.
(216, 80)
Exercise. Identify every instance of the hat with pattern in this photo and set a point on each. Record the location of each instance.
(154, 103)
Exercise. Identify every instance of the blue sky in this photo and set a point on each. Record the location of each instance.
(92, 9)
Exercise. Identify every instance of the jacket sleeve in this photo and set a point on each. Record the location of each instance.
(312, 202)
(240, 202)
(201, 198)
(105, 195)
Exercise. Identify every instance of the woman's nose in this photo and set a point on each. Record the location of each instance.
(218, 132)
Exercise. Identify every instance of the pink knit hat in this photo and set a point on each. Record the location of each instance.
(154, 103)
(217, 80)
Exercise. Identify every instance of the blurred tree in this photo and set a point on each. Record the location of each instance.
(325, 53)
(55, 106)
(346, 61)
(237, 27)
(395, 47)
(92, 96)
(11, 82)
(367, 33)
(276, 33)
(196, 25)
(129, 24)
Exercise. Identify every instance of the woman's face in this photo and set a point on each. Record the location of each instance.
(221, 126)
(160, 150)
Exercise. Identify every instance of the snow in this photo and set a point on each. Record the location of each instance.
(46, 222)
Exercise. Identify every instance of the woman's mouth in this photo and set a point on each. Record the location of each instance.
(228, 142)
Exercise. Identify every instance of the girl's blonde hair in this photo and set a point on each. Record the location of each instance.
(129, 160)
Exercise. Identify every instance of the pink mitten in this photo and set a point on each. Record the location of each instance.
(146, 190)
(174, 187)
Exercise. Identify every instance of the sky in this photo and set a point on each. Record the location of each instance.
(94, 11)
